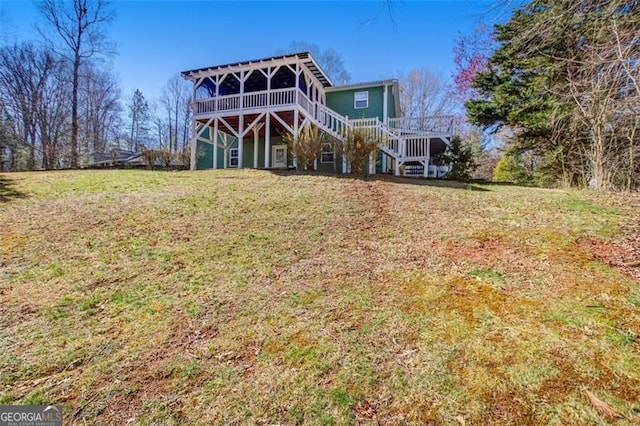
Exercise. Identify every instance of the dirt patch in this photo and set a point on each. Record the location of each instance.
(624, 254)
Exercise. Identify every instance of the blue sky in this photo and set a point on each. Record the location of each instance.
(156, 39)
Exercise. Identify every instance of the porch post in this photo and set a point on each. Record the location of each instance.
(215, 143)
(240, 140)
(384, 163)
(241, 122)
(267, 139)
(256, 136)
(428, 161)
(296, 116)
(226, 151)
(194, 143)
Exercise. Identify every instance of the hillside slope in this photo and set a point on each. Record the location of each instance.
(250, 297)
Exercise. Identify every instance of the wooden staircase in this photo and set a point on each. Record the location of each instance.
(402, 140)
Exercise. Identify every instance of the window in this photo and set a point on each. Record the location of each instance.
(327, 155)
(361, 100)
(233, 157)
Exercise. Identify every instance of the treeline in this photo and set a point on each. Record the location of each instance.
(565, 82)
(60, 102)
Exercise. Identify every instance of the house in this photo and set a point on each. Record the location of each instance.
(242, 110)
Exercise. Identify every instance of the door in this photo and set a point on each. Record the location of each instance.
(279, 155)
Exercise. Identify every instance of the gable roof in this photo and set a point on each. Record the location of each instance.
(307, 58)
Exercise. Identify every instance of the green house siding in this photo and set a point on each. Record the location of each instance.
(342, 102)
(205, 150)
(391, 104)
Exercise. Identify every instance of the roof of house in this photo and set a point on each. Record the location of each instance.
(310, 62)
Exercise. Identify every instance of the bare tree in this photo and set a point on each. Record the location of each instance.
(52, 117)
(159, 126)
(424, 93)
(330, 60)
(175, 99)
(80, 25)
(99, 107)
(24, 71)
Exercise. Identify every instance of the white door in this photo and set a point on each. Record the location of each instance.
(279, 155)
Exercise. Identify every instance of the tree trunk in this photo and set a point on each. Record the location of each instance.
(74, 111)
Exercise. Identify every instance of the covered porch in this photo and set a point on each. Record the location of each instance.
(250, 105)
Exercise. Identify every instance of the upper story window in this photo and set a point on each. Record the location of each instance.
(361, 100)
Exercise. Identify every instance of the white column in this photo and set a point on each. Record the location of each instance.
(384, 163)
(226, 151)
(215, 143)
(296, 131)
(240, 140)
(429, 155)
(194, 145)
(372, 164)
(344, 165)
(256, 135)
(267, 139)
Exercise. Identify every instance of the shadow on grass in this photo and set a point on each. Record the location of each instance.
(439, 183)
(7, 190)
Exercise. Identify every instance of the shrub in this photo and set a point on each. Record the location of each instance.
(356, 148)
(510, 169)
(150, 156)
(461, 157)
(306, 147)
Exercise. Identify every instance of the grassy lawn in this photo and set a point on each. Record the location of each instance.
(249, 297)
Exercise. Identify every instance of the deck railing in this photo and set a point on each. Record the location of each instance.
(441, 124)
(253, 100)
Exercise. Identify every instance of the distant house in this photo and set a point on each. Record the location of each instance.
(116, 158)
(241, 110)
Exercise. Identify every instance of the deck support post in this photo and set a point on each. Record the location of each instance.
(256, 139)
(194, 145)
(372, 164)
(267, 139)
(428, 160)
(240, 140)
(214, 137)
(226, 151)
(296, 129)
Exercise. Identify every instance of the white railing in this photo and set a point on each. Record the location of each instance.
(440, 124)
(249, 101)
(282, 97)
(254, 100)
(306, 103)
(416, 148)
(331, 120)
